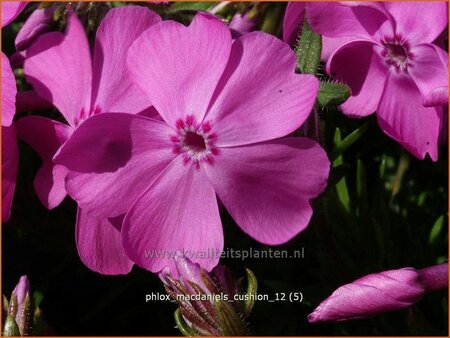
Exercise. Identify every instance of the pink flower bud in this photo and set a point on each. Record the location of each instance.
(22, 289)
(20, 306)
(206, 300)
(380, 292)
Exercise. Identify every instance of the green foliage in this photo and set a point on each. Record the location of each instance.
(308, 50)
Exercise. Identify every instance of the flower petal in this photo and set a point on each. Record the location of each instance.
(413, 19)
(430, 73)
(276, 101)
(293, 20)
(40, 21)
(10, 10)
(365, 75)
(112, 159)
(49, 184)
(59, 68)
(113, 89)
(46, 136)
(9, 91)
(356, 19)
(402, 116)
(43, 135)
(177, 214)
(330, 45)
(29, 101)
(270, 202)
(10, 164)
(178, 67)
(99, 244)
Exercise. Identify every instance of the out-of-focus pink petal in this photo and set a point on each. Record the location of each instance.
(39, 22)
(293, 20)
(11, 10)
(430, 73)
(258, 99)
(402, 116)
(17, 59)
(10, 164)
(99, 244)
(241, 24)
(112, 159)
(30, 101)
(271, 203)
(371, 295)
(113, 89)
(364, 20)
(420, 22)
(179, 67)
(177, 214)
(365, 75)
(60, 70)
(45, 136)
(434, 278)
(9, 91)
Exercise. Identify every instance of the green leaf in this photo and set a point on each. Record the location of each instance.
(332, 94)
(341, 186)
(184, 328)
(37, 298)
(117, 3)
(436, 230)
(341, 146)
(10, 329)
(361, 188)
(271, 20)
(189, 6)
(338, 173)
(252, 288)
(403, 166)
(308, 50)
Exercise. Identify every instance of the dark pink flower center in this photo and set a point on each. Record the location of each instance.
(195, 141)
(397, 53)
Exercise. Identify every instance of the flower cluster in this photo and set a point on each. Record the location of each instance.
(156, 126)
(392, 58)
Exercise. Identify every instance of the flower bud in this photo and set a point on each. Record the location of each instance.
(380, 292)
(21, 306)
(206, 301)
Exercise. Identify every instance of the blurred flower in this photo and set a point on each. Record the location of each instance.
(10, 153)
(245, 22)
(293, 20)
(59, 67)
(207, 303)
(381, 292)
(10, 164)
(242, 23)
(212, 140)
(39, 22)
(395, 68)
